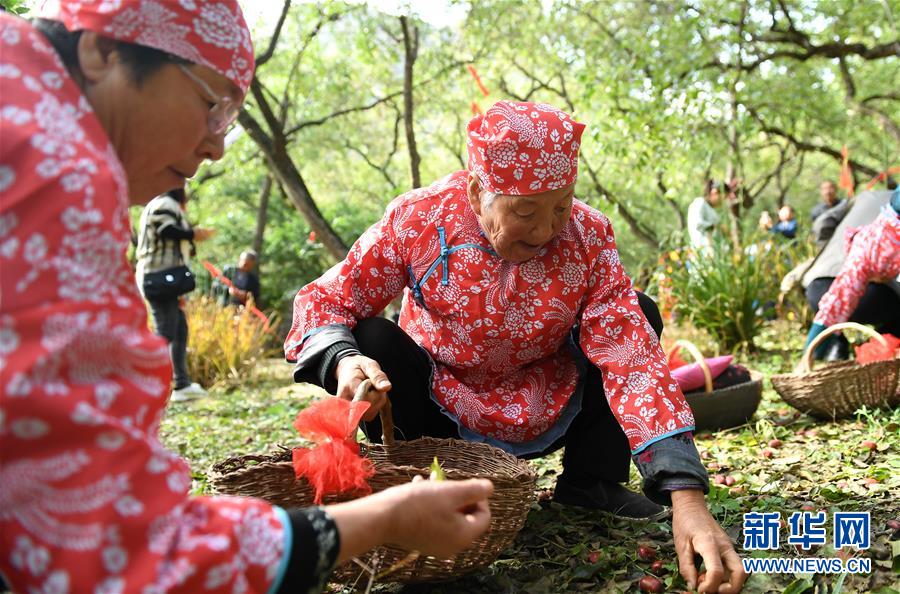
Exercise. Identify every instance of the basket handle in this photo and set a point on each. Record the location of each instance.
(387, 417)
(806, 364)
(691, 348)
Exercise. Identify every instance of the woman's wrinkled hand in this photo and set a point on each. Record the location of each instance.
(351, 371)
(697, 532)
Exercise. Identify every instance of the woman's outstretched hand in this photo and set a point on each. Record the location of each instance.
(437, 518)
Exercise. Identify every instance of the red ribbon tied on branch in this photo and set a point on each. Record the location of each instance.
(333, 464)
(882, 176)
(846, 180)
(478, 82)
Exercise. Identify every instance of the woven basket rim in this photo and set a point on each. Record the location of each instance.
(281, 454)
(271, 476)
(838, 366)
(756, 379)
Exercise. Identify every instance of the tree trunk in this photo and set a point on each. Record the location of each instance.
(735, 168)
(262, 215)
(410, 52)
(293, 185)
(731, 199)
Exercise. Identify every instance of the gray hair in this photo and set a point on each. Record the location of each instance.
(250, 254)
(487, 198)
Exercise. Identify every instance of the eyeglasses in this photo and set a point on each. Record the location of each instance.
(223, 113)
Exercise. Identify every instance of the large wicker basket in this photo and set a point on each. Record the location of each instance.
(271, 477)
(723, 408)
(839, 389)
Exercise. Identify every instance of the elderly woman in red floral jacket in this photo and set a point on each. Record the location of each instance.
(519, 328)
(112, 102)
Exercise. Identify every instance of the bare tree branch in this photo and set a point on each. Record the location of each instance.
(787, 15)
(455, 143)
(640, 230)
(507, 90)
(273, 41)
(808, 146)
(804, 49)
(262, 216)
(341, 112)
(410, 53)
(208, 174)
(271, 121)
(850, 95)
(289, 178)
(374, 103)
(882, 97)
(384, 168)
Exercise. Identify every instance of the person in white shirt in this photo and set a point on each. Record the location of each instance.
(702, 217)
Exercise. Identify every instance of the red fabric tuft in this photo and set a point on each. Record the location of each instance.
(873, 350)
(331, 418)
(333, 464)
(675, 360)
(333, 467)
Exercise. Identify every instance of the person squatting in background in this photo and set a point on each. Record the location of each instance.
(873, 258)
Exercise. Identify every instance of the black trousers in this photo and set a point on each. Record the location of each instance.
(170, 323)
(596, 446)
(879, 305)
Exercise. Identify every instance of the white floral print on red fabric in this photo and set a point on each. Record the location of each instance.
(206, 32)
(498, 332)
(523, 148)
(83, 382)
(873, 255)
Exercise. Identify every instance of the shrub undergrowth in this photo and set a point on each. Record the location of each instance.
(728, 292)
(226, 342)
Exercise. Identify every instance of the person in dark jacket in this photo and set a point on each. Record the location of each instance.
(244, 281)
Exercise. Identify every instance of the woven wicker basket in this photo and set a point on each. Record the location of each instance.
(271, 477)
(839, 389)
(726, 407)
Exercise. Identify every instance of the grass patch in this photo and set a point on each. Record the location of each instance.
(819, 465)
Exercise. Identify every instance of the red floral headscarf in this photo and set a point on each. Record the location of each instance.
(524, 148)
(211, 33)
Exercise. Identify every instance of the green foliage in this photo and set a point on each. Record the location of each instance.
(19, 7)
(654, 81)
(225, 342)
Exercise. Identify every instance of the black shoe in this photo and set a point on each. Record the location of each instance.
(610, 497)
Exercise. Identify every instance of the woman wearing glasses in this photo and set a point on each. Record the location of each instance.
(109, 104)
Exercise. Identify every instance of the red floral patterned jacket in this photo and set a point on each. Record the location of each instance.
(498, 332)
(873, 255)
(90, 501)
